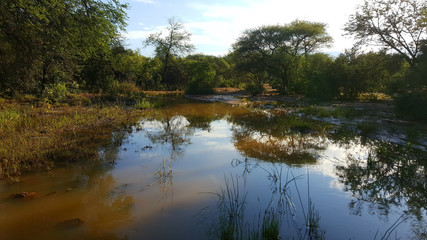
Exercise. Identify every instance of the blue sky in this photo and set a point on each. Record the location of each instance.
(216, 24)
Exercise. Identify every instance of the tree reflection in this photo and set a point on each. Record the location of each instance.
(277, 138)
(172, 131)
(391, 175)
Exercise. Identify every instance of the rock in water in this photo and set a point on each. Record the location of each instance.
(70, 223)
(23, 195)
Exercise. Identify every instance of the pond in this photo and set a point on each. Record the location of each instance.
(213, 171)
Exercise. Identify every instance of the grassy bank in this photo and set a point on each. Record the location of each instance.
(39, 135)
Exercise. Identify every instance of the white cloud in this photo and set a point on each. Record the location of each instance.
(138, 34)
(224, 24)
(220, 25)
(146, 1)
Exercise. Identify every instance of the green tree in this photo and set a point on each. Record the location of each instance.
(320, 83)
(48, 41)
(221, 66)
(201, 77)
(399, 25)
(355, 72)
(412, 99)
(174, 43)
(276, 50)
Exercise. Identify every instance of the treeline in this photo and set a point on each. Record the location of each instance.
(51, 47)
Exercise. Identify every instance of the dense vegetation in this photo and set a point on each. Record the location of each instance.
(50, 48)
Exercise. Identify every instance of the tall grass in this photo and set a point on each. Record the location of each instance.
(230, 220)
(38, 135)
(392, 229)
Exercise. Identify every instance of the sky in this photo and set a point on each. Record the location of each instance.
(216, 24)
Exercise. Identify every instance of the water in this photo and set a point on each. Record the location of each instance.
(164, 178)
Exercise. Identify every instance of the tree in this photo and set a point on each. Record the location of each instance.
(318, 73)
(48, 41)
(399, 25)
(277, 49)
(174, 43)
(201, 76)
(355, 72)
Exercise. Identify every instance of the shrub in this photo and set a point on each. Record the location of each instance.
(142, 104)
(254, 88)
(128, 90)
(413, 105)
(202, 78)
(55, 92)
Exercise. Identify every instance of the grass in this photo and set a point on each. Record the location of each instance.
(230, 222)
(37, 135)
(336, 112)
(142, 104)
(374, 97)
(368, 127)
(302, 125)
(413, 134)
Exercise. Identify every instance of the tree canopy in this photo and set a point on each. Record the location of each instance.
(399, 25)
(275, 49)
(175, 42)
(46, 41)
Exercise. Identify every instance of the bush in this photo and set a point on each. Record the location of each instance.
(129, 90)
(254, 88)
(55, 92)
(202, 78)
(142, 104)
(413, 105)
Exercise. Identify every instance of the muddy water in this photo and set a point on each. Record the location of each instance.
(164, 181)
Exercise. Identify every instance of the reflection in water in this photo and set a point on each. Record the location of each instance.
(173, 132)
(274, 138)
(78, 200)
(390, 176)
(277, 216)
(164, 177)
(285, 169)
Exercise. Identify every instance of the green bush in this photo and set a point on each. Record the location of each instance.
(128, 90)
(254, 88)
(202, 77)
(412, 105)
(142, 104)
(55, 92)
